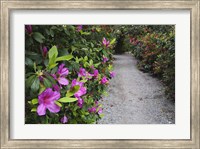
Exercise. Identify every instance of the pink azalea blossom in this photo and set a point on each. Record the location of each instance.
(92, 110)
(56, 87)
(104, 80)
(105, 42)
(62, 72)
(105, 59)
(64, 120)
(46, 101)
(100, 111)
(89, 75)
(44, 51)
(79, 28)
(112, 74)
(82, 91)
(82, 72)
(80, 102)
(28, 29)
(96, 73)
(75, 82)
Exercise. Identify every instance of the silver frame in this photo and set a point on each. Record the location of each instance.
(193, 6)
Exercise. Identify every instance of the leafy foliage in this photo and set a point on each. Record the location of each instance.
(154, 47)
(64, 67)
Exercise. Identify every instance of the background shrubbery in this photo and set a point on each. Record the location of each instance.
(154, 47)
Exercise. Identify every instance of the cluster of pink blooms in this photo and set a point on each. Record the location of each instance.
(47, 98)
(79, 28)
(134, 41)
(105, 59)
(96, 108)
(105, 42)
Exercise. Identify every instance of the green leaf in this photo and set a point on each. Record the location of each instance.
(72, 91)
(64, 58)
(53, 65)
(34, 101)
(85, 58)
(101, 115)
(38, 37)
(34, 66)
(33, 109)
(53, 51)
(83, 80)
(67, 99)
(97, 64)
(52, 62)
(73, 48)
(30, 80)
(58, 103)
(47, 83)
(112, 41)
(42, 88)
(85, 33)
(28, 61)
(52, 33)
(35, 86)
(49, 77)
(91, 62)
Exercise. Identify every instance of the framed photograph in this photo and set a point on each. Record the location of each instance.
(100, 74)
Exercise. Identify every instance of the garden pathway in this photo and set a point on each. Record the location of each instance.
(135, 97)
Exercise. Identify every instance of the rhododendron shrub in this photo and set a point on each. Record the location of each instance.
(67, 70)
(154, 47)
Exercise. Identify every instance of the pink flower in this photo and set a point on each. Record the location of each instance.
(112, 74)
(80, 102)
(96, 73)
(82, 72)
(89, 75)
(44, 51)
(56, 87)
(28, 29)
(79, 28)
(75, 82)
(82, 91)
(105, 42)
(104, 80)
(100, 111)
(64, 120)
(105, 59)
(46, 101)
(62, 72)
(92, 110)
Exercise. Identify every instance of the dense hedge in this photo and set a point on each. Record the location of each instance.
(154, 47)
(67, 69)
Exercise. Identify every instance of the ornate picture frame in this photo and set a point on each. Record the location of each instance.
(8, 6)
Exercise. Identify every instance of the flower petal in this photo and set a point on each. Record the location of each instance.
(54, 96)
(80, 92)
(53, 108)
(63, 81)
(41, 109)
(64, 119)
(46, 93)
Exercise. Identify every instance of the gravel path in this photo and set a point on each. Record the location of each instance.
(135, 97)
